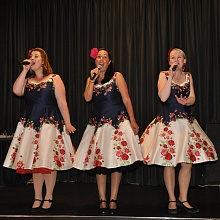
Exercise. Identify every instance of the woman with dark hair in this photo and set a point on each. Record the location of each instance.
(174, 136)
(41, 144)
(109, 144)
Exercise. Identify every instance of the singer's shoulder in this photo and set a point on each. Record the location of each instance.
(54, 75)
(164, 73)
(187, 74)
(118, 74)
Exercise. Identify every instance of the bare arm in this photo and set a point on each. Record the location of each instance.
(89, 85)
(19, 84)
(164, 86)
(122, 86)
(60, 94)
(89, 90)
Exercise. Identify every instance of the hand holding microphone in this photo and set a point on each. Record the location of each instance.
(24, 63)
(92, 77)
(174, 67)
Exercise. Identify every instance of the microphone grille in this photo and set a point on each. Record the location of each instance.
(99, 67)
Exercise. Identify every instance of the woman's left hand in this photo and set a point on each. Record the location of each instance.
(182, 100)
(70, 129)
(134, 127)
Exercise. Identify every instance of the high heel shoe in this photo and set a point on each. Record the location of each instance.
(46, 210)
(172, 211)
(113, 211)
(103, 211)
(36, 209)
(182, 206)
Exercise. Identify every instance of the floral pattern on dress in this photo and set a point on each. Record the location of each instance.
(180, 115)
(27, 123)
(168, 148)
(15, 149)
(107, 87)
(36, 149)
(51, 120)
(196, 144)
(103, 120)
(146, 132)
(89, 152)
(39, 86)
(59, 152)
(183, 89)
(98, 156)
(121, 147)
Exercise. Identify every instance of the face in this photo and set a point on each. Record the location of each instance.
(103, 59)
(178, 58)
(36, 59)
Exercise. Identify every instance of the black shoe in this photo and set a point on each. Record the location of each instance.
(37, 209)
(172, 211)
(103, 211)
(113, 211)
(45, 211)
(189, 210)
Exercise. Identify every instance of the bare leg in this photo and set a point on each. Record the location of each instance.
(115, 182)
(50, 181)
(101, 182)
(184, 180)
(169, 179)
(38, 181)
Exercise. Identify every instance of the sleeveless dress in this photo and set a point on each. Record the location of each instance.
(108, 143)
(40, 143)
(175, 136)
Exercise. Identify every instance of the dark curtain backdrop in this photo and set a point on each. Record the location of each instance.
(137, 32)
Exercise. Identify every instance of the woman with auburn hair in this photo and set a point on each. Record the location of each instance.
(41, 144)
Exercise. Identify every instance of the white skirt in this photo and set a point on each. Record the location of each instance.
(108, 147)
(177, 142)
(47, 149)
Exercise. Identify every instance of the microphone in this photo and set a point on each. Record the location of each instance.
(94, 74)
(174, 67)
(24, 63)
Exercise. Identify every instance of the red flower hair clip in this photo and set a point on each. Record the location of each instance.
(94, 52)
(29, 53)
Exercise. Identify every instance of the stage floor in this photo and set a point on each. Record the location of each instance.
(79, 200)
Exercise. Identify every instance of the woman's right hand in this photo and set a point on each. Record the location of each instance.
(94, 73)
(172, 72)
(27, 66)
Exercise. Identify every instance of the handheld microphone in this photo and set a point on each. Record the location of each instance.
(94, 74)
(174, 67)
(24, 63)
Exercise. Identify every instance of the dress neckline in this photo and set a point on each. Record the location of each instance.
(51, 76)
(181, 84)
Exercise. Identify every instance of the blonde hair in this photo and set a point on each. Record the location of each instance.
(181, 51)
